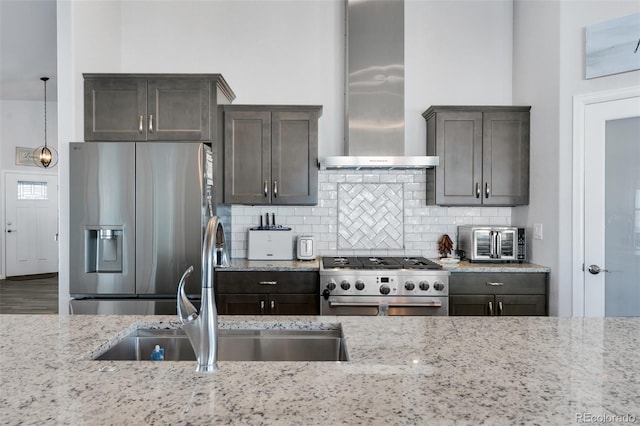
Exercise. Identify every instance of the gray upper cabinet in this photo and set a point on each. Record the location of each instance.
(484, 155)
(271, 154)
(152, 107)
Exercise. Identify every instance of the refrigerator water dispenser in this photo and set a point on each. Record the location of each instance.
(103, 250)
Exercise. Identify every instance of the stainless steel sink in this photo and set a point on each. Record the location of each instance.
(235, 345)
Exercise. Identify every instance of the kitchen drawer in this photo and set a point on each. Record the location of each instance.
(263, 304)
(498, 283)
(503, 305)
(267, 282)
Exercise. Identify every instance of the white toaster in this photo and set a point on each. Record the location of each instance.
(306, 249)
(270, 244)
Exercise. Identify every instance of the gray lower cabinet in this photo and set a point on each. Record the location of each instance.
(130, 107)
(267, 293)
(498, 294)
(271, 154)
(484, 155)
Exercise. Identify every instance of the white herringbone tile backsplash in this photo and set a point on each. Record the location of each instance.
(370, 216)
(419, 227)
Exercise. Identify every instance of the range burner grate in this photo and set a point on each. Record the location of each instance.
(419, 263)
(341, 262)
(379, 262)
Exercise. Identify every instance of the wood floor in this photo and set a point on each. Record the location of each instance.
(29, 295)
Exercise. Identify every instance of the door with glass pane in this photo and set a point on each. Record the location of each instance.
(31, 224)
(612, 208)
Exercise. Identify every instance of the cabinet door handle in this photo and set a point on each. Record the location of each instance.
(268, 282)
(273, 305)
(477, 189)
(150, 123)
(141, 124)
(262, 306)
(275, 188)
(499, 308)
(494, 284)
(487, 190)
(490, 308)
(266, 189)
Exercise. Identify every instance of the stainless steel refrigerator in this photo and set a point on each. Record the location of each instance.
(137, 218)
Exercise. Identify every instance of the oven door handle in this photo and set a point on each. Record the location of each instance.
(418, 305)
(397, 305)
(332, 304)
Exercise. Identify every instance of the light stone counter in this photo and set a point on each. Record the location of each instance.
(273, 265)
(314, 265)
(403, 371)
(464, 266)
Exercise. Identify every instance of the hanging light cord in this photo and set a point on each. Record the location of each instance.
(45, 109)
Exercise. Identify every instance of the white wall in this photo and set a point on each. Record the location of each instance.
(22, 125)
(288, 52)
(536, 75)
(456, 53)
(88, 39)
(548, 72)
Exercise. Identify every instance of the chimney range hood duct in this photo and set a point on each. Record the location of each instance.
(374, 128)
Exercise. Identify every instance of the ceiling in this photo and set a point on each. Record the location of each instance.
(27, 49)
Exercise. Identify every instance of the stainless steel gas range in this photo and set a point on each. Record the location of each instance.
(383, 286)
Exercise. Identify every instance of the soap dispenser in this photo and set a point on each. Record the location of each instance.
(157, 354)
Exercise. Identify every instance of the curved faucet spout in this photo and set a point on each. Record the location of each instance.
(202, 327)
(186, 311)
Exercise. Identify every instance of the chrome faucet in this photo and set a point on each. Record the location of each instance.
(202, 327)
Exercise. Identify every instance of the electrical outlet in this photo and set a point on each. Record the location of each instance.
(537, 231)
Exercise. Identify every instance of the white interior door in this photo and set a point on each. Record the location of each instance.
(31, 224)
(612, 208)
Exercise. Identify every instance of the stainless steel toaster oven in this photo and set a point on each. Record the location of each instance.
(492, 243)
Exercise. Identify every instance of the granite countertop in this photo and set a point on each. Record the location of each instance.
(273, 265)
(314, 265)
(403, 370)
(465, 266)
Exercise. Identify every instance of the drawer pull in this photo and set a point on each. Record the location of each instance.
(490, 308)
(267, 282)
(494, 284)
(499, 308)
(262, 306)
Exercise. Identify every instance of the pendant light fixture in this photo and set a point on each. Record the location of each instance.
(45, 156)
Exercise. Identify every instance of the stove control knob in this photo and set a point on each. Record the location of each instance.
(409, 285)
(424, 285)
(384, 289)
(359, 285)
(331, 285)
(345, 285)
(438, 285)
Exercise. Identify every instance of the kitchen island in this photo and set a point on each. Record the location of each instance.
(402, 370)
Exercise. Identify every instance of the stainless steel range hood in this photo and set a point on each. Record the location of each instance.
(374, 95)
(380, 162)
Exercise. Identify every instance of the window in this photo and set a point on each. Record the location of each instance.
(32, 190)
